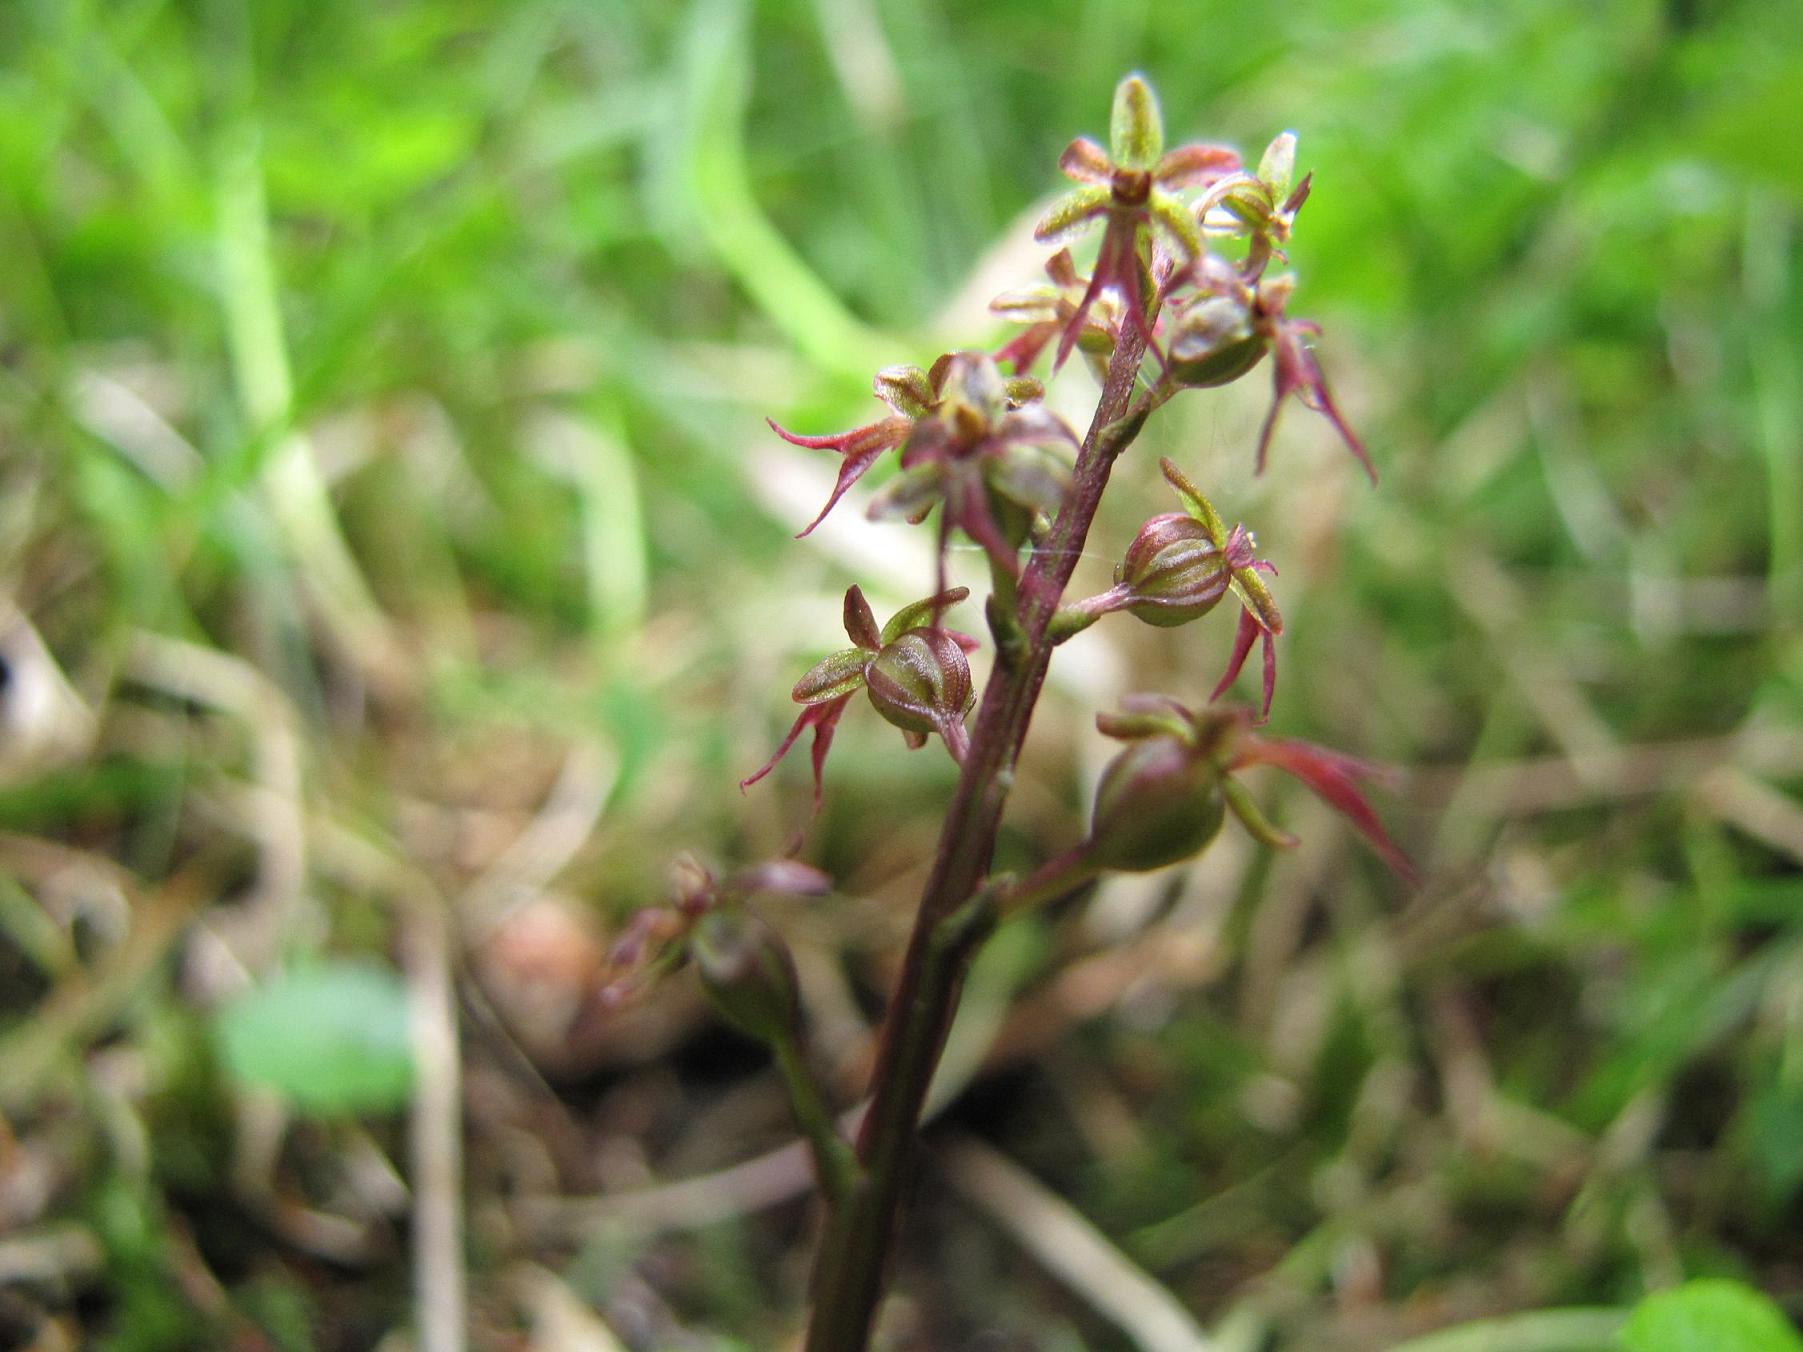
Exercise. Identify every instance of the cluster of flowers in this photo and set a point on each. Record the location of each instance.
(980, 445)
(977, 442)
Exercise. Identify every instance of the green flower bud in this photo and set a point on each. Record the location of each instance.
(1215, 342)
(1036, 477)
(748, 974)
(1173, 572)
(1159, 802)
(921, 682)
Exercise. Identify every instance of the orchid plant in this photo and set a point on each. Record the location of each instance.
(1181, 295)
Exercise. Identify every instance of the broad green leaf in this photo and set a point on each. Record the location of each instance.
(1711, 1315)
(330, 1037)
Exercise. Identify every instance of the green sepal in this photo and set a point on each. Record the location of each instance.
(1140, 723)
(1257, 598)
(1023, 389)
(1194, 503)
(833, 676)
(1029, 305)
(1071, 213)
(1277, 167)
(906, 389)
(1174, 216)
(919, 614)
(1257, 825)
(1136, 132)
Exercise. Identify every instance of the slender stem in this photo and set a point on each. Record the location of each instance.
(1074, 618)
(834, 1163)
(852, 1264)
(1059, 876)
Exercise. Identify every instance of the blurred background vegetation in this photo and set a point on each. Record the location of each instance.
(395, 576)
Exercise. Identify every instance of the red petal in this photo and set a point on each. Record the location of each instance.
(1335, 778)
(860, 446)
(860, 624)
(1316, 395)
(1086, 162)
(1242, 645)
(823, 718)
(824, 727)
(1024, 348)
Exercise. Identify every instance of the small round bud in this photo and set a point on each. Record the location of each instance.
(748, 974)
(1159, 802)
(921, 681)
(1173, 571)
(1214, 342)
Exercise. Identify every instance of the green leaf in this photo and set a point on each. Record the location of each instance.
(1711, 1315)
(330, 1037)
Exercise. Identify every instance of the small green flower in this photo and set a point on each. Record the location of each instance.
(1164, 796)
(1178, 568)
(1132, 188)
(995, 460)
(913, 669)
(1046, 310)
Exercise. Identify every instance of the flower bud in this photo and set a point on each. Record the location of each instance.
(1036, 477)
(1173, 571)
(1159, 802)
(1248, 199)
(921, 681)
(1215, 342)
(748, 974)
